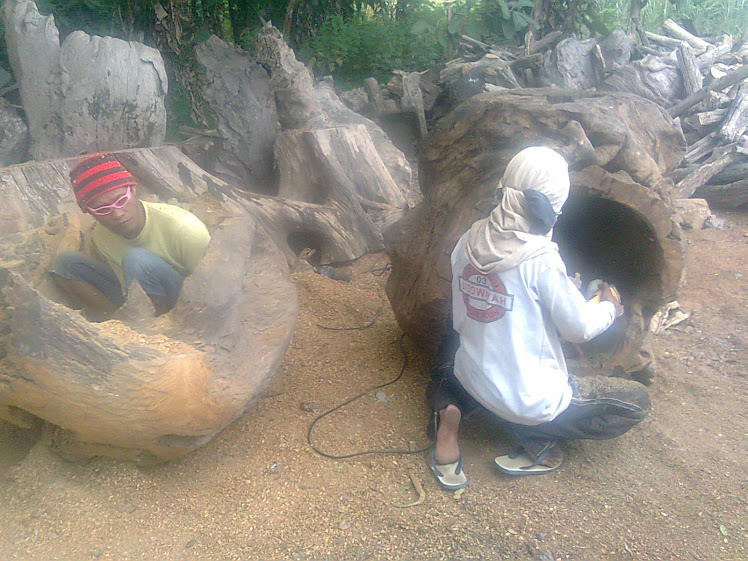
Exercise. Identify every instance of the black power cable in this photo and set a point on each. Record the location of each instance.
(354, 398)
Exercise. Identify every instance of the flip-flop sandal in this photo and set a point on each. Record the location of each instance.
(449, 476)
(519, 463)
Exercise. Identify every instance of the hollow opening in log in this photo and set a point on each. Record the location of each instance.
(603, 239)
(15, 443)
(299, 241)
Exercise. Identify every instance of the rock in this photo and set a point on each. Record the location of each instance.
(715, 222)
(693, 213)
(14, 135)
(238, 92)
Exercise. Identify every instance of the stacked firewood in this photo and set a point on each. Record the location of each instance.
(713, 114)
(702, 83)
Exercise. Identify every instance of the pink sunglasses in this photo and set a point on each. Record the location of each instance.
(108, 209)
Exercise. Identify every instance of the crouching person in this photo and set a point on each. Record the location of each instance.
(511, 303)
(155, 244)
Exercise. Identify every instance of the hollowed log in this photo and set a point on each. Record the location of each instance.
(620, 229)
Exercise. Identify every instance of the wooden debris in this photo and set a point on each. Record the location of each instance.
(675, 30)
(721, 84)
(693, 81)
(736, 120)
(719, 160)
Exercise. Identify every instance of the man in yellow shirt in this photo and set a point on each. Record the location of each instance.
(156, 244)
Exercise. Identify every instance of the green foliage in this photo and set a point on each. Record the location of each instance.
(367, 45)
(490, 21)
(708, 17)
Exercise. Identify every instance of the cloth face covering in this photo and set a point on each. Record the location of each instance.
(507, 236)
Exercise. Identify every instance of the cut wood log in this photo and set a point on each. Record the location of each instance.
(707, 118)
(701, 149)
(736, 121)
(412, 100)
(719, 160)
(693, 81)
(290, 80)
(729, 195)
(158, 393)
(237, 91)
(732, 173)
(721, 84)
(663, 40)
(697, 43)
(713, 55)
(545, 43)
(464, 158)
(375, 94)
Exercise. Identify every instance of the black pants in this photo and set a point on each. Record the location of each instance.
(600, 407)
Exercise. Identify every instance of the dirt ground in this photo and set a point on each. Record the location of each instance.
(672, 488)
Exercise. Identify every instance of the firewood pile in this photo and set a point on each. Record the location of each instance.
(701, 83)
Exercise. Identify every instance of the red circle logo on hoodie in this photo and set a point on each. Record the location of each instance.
(484, 295)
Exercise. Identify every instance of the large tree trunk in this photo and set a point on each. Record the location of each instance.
(140, 388)
(615, 226)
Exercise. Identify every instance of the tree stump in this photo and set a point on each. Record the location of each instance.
(618, 224)
(139, 388)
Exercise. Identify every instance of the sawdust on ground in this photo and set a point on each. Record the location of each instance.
(672, 488)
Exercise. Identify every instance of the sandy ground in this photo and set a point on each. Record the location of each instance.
(672, 488)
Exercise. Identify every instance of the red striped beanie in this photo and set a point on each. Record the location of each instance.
(96, 175)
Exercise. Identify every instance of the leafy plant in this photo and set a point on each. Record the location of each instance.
(485, 20)
(705, 17)
(367, 45)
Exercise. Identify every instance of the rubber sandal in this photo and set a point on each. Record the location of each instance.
(519, 463)
(449, 476)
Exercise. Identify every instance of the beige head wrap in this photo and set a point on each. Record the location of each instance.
(503, 239)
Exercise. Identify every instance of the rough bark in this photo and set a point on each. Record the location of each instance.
(237, 90)
(725, 82)
(697, 43)
(290, 80)
(164, 388)
(736, 120)
(718, 161)
(727, 195)
(34, 52)
(15, 138)
(91, 93)
(693, 81)
(465, 156)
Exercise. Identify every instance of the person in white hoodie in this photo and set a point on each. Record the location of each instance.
(512, 302)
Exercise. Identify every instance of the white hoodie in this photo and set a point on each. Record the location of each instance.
(510, 356)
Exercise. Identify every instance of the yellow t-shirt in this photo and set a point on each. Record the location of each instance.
(174, 234)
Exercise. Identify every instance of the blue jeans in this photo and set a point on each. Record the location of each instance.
(156, 276)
